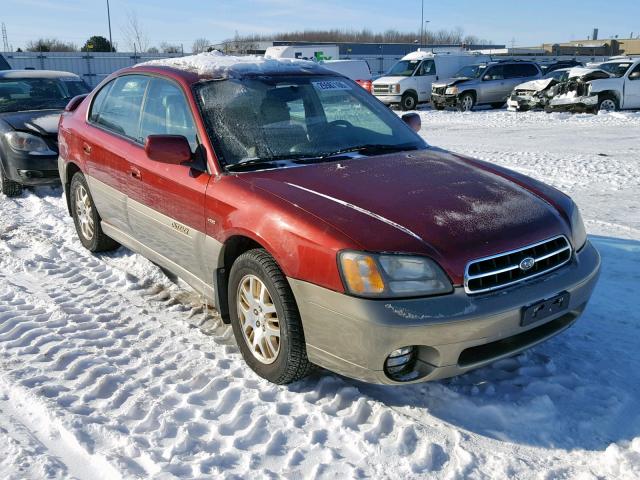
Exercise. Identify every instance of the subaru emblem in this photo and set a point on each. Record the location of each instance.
(527, 264)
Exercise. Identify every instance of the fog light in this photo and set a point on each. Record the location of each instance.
(400, 363)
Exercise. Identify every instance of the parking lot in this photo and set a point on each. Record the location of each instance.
(111, 369)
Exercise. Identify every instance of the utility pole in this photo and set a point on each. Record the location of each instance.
(5, 40)
(422, 26)
(109, 21)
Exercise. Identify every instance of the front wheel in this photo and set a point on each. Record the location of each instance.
(607, 103)
(466, 102)
(9, 187)
(86, 217)
(265, 319)
(409, 101)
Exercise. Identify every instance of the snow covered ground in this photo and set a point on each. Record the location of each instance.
(109, 369)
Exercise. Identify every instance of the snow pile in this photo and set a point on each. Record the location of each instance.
(218, 65)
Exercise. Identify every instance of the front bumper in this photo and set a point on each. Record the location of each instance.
(454, 333)
(573, 104)
(388, 99)
(522, 103)
(31, 169)
(444, 100)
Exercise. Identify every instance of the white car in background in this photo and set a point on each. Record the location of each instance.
(356, 70)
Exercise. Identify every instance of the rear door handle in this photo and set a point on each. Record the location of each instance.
(86, 148)
(135, 173)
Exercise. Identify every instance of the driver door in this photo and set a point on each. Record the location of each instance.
(425, 75)
(632, 90)
(493, 85)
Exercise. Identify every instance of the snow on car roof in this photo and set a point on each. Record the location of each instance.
(218, 65)
(36, 74)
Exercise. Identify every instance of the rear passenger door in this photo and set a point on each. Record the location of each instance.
(110, 151)
(517, 73)
(170, 219)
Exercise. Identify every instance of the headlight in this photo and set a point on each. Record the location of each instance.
(577, 229)
(394, 88)
(25, 142)
(391, 275)
(451, 91)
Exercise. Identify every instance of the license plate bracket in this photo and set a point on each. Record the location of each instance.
(544, 309)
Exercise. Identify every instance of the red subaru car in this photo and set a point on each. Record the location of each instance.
(322, 227)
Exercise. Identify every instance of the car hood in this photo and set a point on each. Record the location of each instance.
(450, 82)
(536, 85)
(389, 80)
(430, 202)
(43, 122)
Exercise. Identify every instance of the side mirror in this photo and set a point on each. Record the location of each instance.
(171, 149)
(634, 76)
(75, 102)
(413, 120)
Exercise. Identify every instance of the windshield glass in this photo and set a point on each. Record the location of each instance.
(287, 117)
(615, 68)
(18, 94)
(559, 75)
(404, 68)
(471, 71)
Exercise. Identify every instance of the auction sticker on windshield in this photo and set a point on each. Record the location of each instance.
(331, 85)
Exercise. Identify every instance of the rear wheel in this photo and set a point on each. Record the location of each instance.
(265, 319)
(86, 217)
(9, 187)
(409, 101)
(466, 102)
(607, 103)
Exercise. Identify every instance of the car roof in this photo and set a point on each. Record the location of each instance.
(36, 74)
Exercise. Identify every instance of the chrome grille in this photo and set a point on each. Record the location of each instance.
(439, 90)
(381, 89)
(498, 271)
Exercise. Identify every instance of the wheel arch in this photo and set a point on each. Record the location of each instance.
(70, 169)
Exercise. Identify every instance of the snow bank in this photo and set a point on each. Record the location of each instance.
(218, 65)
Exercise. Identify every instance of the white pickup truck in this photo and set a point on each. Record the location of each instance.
(409, 81)
(585, 92)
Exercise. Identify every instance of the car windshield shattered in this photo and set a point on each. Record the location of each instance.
(255, 121)
(404, 68)
(470, 71)
(617, 69)
(17, 94)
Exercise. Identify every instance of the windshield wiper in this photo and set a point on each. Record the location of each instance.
(371, 149)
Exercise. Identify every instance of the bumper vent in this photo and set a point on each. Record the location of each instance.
(498, 271)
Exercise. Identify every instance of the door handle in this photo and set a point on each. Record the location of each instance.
(135, 173)
(86, 149)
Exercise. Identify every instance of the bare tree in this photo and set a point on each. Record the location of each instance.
(50, 45)
(200, 45)
(134, 33)
(170, 48)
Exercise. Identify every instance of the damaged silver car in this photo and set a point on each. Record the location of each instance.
(611, 86)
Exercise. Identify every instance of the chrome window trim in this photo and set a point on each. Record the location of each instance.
(468, 277)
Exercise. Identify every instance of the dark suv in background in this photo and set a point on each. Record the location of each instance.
(482, 84)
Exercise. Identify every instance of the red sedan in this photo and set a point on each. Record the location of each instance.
(319, 223)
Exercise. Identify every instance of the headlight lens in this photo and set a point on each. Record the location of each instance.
(391, 275)
(25, 142)
(451, 91)
(395, 88)
(577, 229)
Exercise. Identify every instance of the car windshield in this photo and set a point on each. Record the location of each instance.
(470, 71)
(404, 68)
(266, 118)
(18, 94)
(559, 75)
(618, 69)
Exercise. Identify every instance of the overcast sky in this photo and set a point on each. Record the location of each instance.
(181, 21)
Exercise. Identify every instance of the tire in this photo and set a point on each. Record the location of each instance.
(9, 187)
(286, 362)
(497, 105)
(439, 107)
(86, 217)
(607, 103)
(466, 102)
(409, 101)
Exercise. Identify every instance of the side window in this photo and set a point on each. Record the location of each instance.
(635, 73)
(520, 70)
(166, 112)
(495, 73)
(120, 111)
(98, 102)
(428, 67)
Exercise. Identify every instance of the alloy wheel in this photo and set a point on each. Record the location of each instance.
(84, 212)
(608, 105)
(258, 319)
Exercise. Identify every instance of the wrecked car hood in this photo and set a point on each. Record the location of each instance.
(586, 73)
(43, 122)
(429, 202)
(450, 82)
(536, 85)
